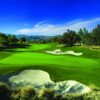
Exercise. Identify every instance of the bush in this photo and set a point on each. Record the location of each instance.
(4, 92)
(58, 97)
(47, 94)
(23, 93)
(28, 93)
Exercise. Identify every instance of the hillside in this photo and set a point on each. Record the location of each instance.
(32, 37)
(36, 37)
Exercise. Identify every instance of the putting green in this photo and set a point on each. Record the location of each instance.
(84, 68)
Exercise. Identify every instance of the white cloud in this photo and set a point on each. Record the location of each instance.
(47, 29)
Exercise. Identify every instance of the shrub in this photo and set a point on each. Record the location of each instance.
(23, 93)
(72, 96)
(4, 92)
(58, 97)
(47, 94)
(28, 93)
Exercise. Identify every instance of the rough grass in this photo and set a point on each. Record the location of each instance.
(23, 93)
(28, 93)
(85, 68)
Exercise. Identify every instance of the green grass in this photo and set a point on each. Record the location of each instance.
(84, 68)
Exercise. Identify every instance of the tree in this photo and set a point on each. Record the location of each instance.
(2, 41)
(88, 39)
(22, 39)
(96, 35)
(70, 37)
(3, 35)
(80, 32)
(12, 39)
(85, 31)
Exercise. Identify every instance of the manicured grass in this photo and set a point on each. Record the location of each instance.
(84, 68)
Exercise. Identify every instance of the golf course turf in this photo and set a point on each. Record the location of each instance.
(84, 68)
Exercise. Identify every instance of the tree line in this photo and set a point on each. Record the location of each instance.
(9, 40)
(82, 37)
(69, 38)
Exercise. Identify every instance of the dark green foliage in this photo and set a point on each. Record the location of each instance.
(85, 31)
(88, 39)
(4, 92)
(22, 39)
(70, 37)
(83, 37)
(96, 35)
(80, 32)
(37, 41)
(55, 39)
(9, 41)
(3, 40)
(12, 39)
(58, 97)
(3, 35)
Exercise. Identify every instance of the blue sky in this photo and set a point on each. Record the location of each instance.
(48, 17)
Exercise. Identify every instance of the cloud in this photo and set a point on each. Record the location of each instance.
(42, 28)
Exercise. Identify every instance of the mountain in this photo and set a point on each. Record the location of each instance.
(37, 37)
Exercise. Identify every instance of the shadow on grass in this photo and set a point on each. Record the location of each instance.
(5, 78)
(13, 46)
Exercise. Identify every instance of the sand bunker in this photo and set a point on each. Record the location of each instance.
(31, 76)
(41, 79)
(58, 51)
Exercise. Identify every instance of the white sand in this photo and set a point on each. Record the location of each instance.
(70, 87)
(31, 76)
(58, 51)
(41, 79)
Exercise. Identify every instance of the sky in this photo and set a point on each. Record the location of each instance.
(48, 17)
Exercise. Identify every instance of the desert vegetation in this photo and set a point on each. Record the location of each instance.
(28, 93)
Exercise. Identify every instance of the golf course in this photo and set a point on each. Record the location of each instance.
(83, 68)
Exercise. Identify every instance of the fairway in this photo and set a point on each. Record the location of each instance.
(84, 68)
